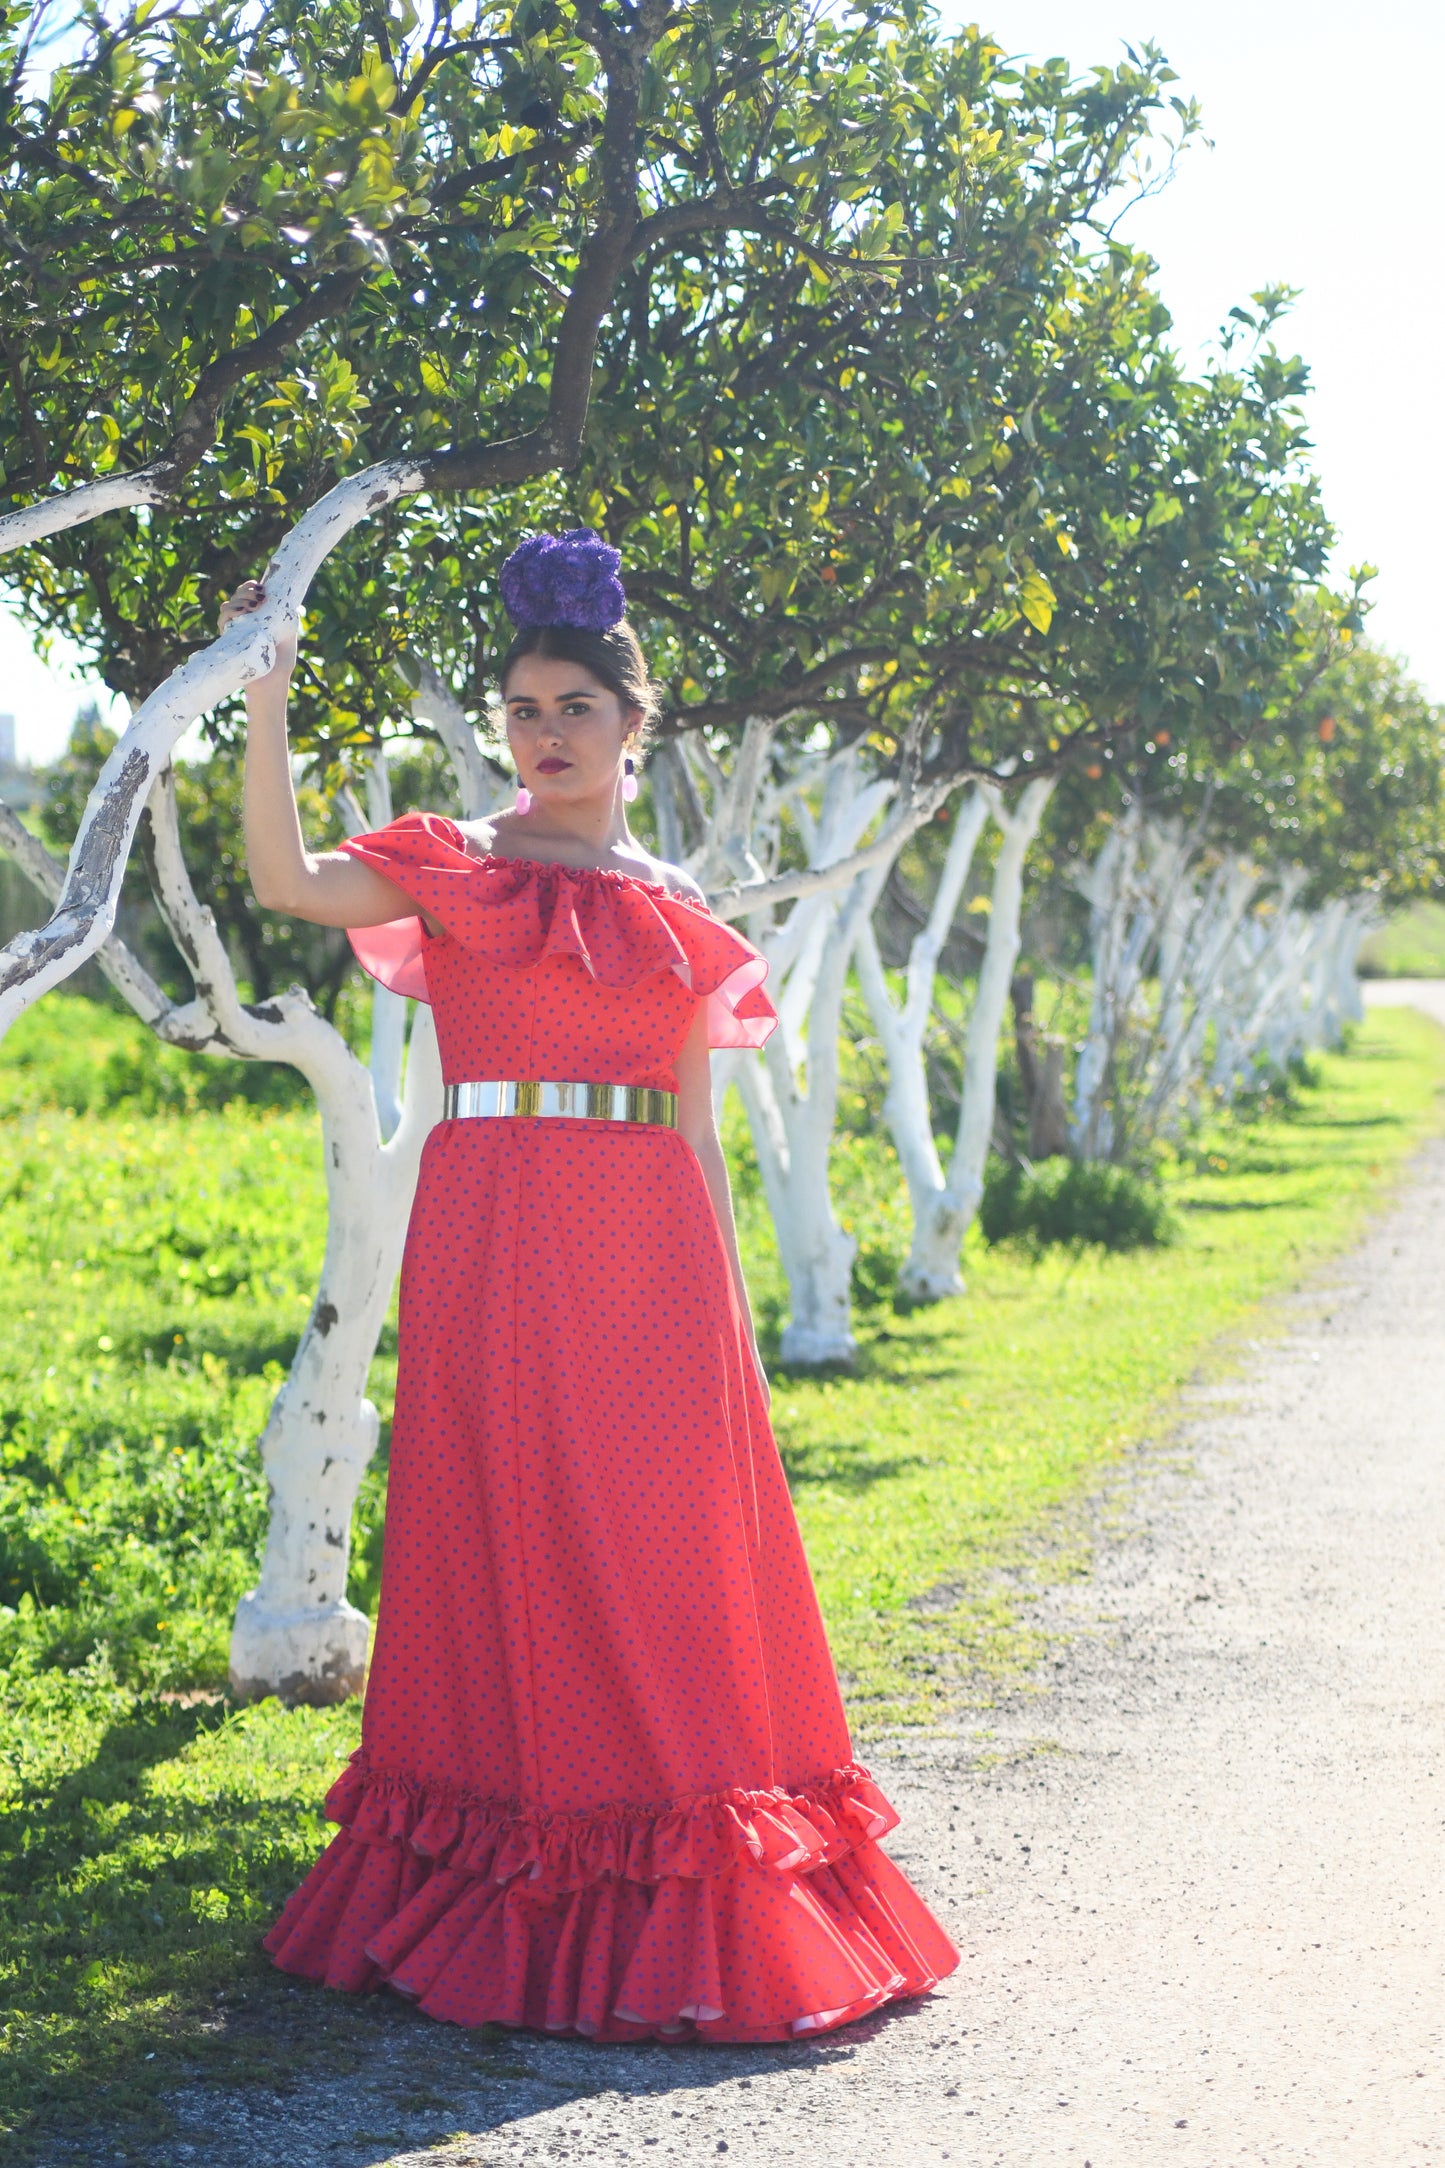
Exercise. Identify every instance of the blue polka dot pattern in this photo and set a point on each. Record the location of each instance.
(605, 1784)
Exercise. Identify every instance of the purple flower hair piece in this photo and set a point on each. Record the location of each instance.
(564, 579)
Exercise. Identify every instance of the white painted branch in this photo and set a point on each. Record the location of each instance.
(122, 967)
(77, 507)
(35, 961)
(730, 847)
(742, 898)
(849, 809)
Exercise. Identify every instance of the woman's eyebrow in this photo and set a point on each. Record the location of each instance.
(529, 700)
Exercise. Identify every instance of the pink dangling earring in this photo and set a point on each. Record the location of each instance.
(629, 782)
(524, 799)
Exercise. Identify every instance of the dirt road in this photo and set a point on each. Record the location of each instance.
(1198, 1881)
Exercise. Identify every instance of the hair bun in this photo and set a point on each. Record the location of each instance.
(564, 579)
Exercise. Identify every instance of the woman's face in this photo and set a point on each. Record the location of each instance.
(568, 733)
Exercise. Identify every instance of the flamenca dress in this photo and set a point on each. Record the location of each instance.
(605, 1784)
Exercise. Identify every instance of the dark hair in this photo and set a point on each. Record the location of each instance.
(613, 657)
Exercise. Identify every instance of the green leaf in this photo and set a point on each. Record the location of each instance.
(1037, 601)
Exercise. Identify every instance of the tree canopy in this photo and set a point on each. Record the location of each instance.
(970, 483)
(314, 239)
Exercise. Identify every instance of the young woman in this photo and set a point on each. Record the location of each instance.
(605, 1784)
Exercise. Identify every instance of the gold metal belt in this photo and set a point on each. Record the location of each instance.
(589, 1102)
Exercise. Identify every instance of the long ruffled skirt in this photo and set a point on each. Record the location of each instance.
(594, 1592)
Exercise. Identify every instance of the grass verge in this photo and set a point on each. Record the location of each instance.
(969, 1425)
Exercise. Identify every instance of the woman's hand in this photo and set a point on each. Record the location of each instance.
(248, 597)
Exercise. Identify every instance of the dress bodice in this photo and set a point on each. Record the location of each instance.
(578, 974)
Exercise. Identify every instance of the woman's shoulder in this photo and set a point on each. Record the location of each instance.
(504, 836)
(674, 879)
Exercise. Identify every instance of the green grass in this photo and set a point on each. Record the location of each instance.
(154, 1269)
(1410, 945)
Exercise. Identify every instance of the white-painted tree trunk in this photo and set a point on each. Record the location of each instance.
(931, 1270)
(789, 1089)
(1344, 996)
(295, 1634)
(944, 1205)
(1122, 924)
(1202, 981)
(1017, 830)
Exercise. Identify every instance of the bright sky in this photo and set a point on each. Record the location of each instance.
(1326, 175)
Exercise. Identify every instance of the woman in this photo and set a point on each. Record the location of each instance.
(605, 1784)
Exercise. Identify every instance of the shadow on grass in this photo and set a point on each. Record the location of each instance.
(142, 2023)
(1189, 1205)
(126, 1906)
(845, 1465)
(1324, 1118)
(241, 1346)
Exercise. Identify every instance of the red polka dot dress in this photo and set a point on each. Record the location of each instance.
(605, 1783)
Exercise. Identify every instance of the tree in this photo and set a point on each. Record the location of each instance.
(996, 519)
(832, 517)
(553, 144)
(1234, 883)
(475, 377)
(1344, 775)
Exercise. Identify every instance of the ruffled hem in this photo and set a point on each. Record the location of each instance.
(498, 1839)
(516, 911)
(482, 1914)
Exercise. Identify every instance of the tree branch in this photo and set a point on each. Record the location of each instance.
(745, 896)
(194, 433)
(124, 969)
(559, 441)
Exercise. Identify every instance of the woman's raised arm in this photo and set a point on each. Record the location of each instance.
(328, 887)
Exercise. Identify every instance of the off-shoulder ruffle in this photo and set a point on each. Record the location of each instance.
(516, 911)
(619, 1924)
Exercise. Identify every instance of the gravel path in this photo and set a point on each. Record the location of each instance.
(1197, 1880)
